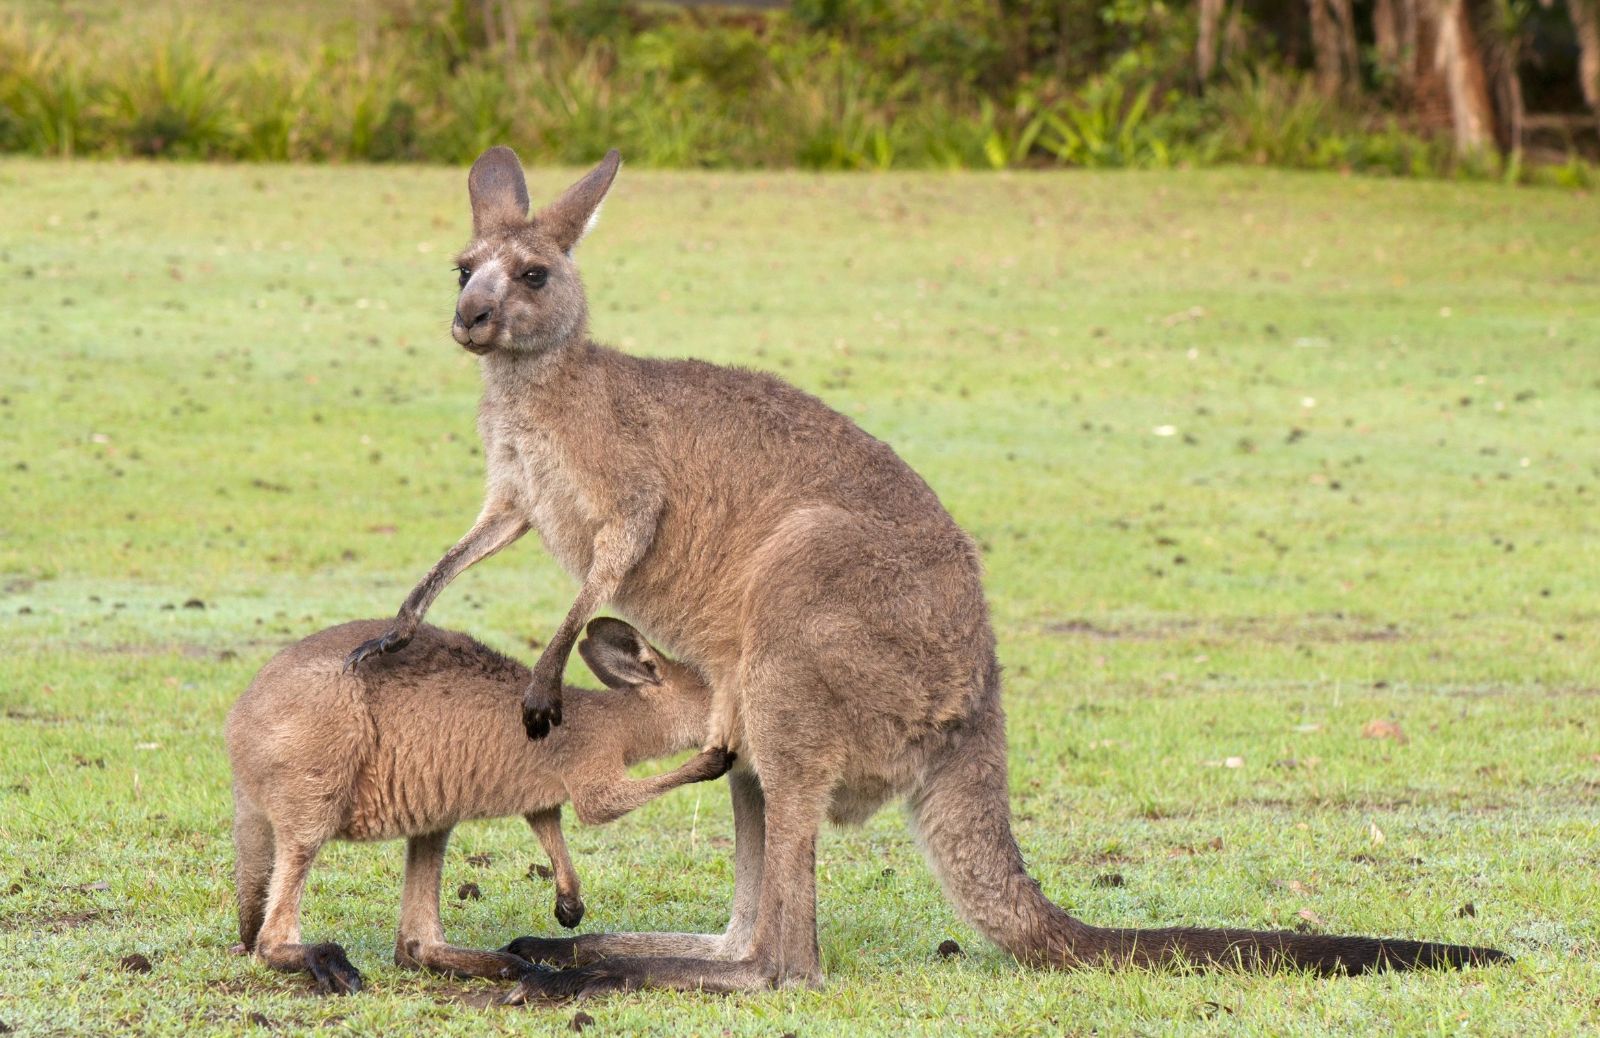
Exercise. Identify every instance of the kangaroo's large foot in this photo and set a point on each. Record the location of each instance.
(332, 970)
(556, 951)
(632, 974)
(562, 985)
(392, 640)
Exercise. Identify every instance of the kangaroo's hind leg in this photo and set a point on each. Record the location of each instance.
(546, 825)
(420, 943)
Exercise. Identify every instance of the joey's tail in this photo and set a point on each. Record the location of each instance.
(252, 868)
(963, 818)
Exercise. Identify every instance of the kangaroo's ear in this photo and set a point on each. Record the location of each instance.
(498, 190)
(619, 655)
(571, 216)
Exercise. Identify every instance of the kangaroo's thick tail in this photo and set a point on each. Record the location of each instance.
(962, 816)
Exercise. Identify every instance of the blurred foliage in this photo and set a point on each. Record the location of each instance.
(826, 84)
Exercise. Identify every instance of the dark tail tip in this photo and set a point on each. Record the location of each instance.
(1422, 955)
(1272, 950)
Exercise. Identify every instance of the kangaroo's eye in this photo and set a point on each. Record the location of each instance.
(536, 276)
(466, 275)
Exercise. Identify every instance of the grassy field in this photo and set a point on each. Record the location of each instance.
(1256, 461)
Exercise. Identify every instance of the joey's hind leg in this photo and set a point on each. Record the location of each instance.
(605, 798)
(278, 942)
(749, 835)
(546, 825)
(420, 943)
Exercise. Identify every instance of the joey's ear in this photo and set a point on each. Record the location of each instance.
(569, 217)
(619, 655)
(498, 191)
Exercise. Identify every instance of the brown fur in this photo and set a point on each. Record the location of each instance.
(414, 744)
(810, 574)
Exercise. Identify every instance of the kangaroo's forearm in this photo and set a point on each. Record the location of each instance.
(493, 531)
(618, 548)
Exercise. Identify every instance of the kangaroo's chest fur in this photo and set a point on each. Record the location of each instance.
(531, 468)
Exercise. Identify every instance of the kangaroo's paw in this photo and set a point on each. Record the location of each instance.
(541, 709)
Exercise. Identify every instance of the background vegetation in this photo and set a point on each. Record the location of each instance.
(821, 84)
(1285, 483)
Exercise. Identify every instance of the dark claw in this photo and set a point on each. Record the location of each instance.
(333, 972)
(540, 713)
(560, 951)
(569, 912)
(391, 641)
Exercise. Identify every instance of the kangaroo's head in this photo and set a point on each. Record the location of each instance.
(621, 658)
(519, 285)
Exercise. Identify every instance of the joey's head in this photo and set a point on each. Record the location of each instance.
(520, 289)
(621, 658)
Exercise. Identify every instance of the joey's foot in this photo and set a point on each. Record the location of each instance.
(541, 708)
(569, 911)
(333, 972)
(392, 640)
(714, 763)
(556, 951)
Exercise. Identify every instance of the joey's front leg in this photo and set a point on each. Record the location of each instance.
(617, 549)
(496, 527)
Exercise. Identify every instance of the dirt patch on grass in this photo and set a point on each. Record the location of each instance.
(1331, 629)
(188, 650)
(32, 716)
(57, 922)
(473, 997)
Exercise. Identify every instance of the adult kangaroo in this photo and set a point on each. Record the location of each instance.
(813, 578)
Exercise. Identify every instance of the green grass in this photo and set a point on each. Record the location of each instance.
(1376, 501)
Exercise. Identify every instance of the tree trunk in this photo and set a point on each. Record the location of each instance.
(1326, 49)
(1349, 54)
(1585, 15)
(1500, 31)
(1394, 32)
(1205, 50)
(1458, 62)
(1333, 44)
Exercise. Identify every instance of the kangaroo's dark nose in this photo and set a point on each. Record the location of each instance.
(478, 318)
